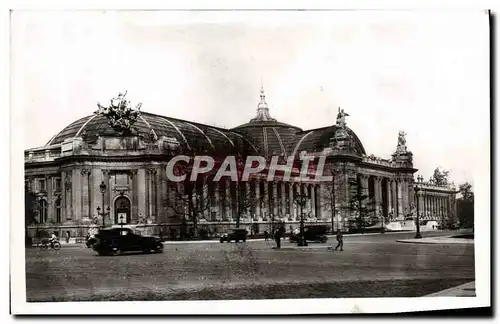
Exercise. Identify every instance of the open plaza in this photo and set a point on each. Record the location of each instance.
(374, 265)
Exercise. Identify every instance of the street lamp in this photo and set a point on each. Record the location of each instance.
(102, 188)
(418, 235)
(301, 200)
(382, 220)
(103, 214)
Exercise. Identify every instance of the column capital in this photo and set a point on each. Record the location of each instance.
(105, 172)
(85, 171)
(152, 170)
(363, 176)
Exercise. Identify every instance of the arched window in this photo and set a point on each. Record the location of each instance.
(43, 211)
(58, 211)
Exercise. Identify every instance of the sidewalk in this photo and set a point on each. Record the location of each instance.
(438, 240)
(465, 290)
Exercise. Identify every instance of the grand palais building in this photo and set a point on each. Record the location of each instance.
(109, 168)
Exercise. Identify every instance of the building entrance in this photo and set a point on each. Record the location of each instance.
(122, 210)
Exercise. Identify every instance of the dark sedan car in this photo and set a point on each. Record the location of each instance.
(237, 234)
(312, 233)
(114, 241)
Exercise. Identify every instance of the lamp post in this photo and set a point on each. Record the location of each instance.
(121, 221)
(382, 220)
(102, 188)
(418, 235)
(301, 201)
(103, 214)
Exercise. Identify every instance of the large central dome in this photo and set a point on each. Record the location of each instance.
(269, 135)
(189, 135)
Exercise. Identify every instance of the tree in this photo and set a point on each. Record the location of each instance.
(465, 206)
(245, 199)
(465, 190)
(439, 177)
(360, 203)
(331, 191)
(190, 200)
(30, 212)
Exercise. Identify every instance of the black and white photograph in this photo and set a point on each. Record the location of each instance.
(249, 161)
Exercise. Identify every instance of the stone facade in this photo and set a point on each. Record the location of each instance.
(90, 166)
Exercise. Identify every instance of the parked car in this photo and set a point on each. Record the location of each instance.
(114, 241)
(312, 233)
(237, 234)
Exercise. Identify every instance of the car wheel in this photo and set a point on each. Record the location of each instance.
(221, 240)
(244, 240)
(116, 252)
(228, 241)
(237, 241)
(159, 249)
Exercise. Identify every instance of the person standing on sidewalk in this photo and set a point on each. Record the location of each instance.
(277, 236)
(340, 241)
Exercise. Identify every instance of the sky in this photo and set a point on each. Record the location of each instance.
(426, 73)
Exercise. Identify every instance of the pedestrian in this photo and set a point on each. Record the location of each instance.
(277, 236)
(340, 240)
(266, 236)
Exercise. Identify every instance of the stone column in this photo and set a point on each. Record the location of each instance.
(275, 200)
(291, 213)
(400, 198)
(394, 197)
(236, 201)
(388, 195)
(205, 199)
(161, 194)
(322, 198)
(50, 199)
(257, 200)
(218, 201)
(135, 196)
(282, 199)
(431, 204)
(227, 200)
(76, 194)
(265, 199)
(149, 191)
(378, 195)
(85, 193)
(141, 193)
(313, 201)
(153, 194)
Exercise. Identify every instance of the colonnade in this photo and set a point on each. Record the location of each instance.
(434, 205)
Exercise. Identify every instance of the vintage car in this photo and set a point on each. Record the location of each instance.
(312, 233)
(114, 241)
(237, 234)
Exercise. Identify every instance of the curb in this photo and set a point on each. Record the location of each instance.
(423, 241)
(464, 290)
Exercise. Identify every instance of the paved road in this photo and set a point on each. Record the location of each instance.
(77, 272)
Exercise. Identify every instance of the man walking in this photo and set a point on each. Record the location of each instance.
(340, 240)
(277, 236)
